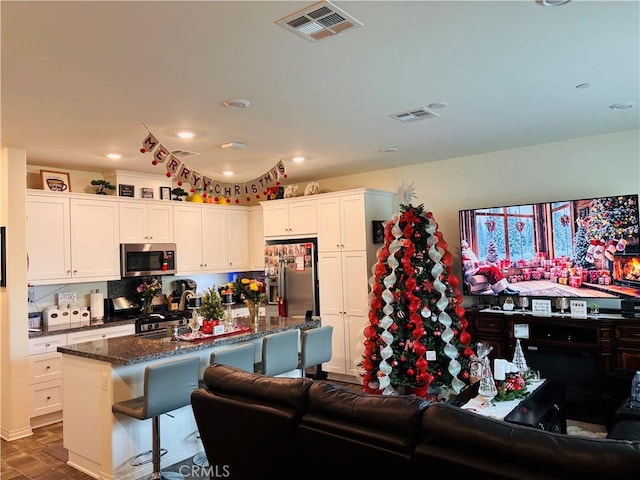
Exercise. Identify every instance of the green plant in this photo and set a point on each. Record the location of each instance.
(178, 193)
(102, 185)
(211, 307)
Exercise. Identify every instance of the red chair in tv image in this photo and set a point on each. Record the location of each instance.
(576, 248)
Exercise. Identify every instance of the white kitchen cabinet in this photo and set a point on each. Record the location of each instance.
(256, 239)
(146, 222)
(72, 239)
(290, 218)
(100, 333)
(210, 238)
(95, 238)
(237, 229)
(48, 344)
(45, 383)
(344, 218)
(45, 378)
(344, 304)
(48, 243)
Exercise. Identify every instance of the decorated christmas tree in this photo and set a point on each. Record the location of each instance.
(609, 219)
(416, 341)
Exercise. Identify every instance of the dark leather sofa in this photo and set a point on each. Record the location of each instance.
(258, 427)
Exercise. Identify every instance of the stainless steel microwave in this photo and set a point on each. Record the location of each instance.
(147, 259)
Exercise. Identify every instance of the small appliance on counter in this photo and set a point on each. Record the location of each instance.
(154, 325)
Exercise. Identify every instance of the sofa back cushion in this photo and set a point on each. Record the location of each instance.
(487, 448)
(345, 430)
(248, 423)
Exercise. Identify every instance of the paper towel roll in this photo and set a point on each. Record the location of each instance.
(96, 304)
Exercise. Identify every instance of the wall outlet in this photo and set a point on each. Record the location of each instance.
(67, 298)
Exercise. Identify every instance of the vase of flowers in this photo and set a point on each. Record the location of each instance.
(147, 290)
(252, 292)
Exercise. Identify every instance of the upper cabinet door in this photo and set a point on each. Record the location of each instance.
(95, 239)
(142, 222)
(48, 244)
(160, 223)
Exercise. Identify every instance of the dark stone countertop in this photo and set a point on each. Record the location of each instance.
(131, 349)
(76, 327)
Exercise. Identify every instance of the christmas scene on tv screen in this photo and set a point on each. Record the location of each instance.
(573, 248)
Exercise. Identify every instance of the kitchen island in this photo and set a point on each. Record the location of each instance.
(99, 373)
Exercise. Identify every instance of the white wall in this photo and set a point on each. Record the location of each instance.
(579, 168)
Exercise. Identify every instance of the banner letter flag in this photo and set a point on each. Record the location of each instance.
(206, 184)
(173, 165)
(195, 180)
(160, 154)
(149, 143)
(184, 174)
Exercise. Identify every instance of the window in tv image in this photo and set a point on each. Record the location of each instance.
(573, 248)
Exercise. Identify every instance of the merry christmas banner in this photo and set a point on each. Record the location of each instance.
(184, 174)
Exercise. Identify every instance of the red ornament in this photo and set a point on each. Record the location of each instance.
(154, 162)
(168, 174)
(410, 372)
(179, 183)
(216, 199)
(238, 201)
(143, 150)
(192, 190)
(204, 195)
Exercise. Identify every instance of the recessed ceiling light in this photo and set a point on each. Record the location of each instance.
(297, 159)
(185, 134)
(622, 106)
(236, 102)
(227, 173)
(233, 144)
(114, 156)
(389, 149)
(438, 105)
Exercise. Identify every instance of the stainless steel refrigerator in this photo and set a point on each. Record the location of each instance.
(291, 274)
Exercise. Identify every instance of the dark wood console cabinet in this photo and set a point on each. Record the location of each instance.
(577, 352)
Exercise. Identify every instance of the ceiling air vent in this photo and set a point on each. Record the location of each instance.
(183, 153)
(319, 21)
(414, 115)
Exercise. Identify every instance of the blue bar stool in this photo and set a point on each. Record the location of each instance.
(167, 387)
(315, 348)
(280, 352)
(240, 356)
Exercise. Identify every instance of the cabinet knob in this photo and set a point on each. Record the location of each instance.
(47, 367)
(104, 335)
(47, 344)
(75, 271)
(49, 397)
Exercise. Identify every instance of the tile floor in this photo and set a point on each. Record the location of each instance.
(41, 456)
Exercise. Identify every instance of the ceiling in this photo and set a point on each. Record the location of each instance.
(81, 79)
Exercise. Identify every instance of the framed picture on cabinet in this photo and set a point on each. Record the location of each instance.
(3, 257)
(165, 193)
(55, 181)
(126, 190)
(146, 192)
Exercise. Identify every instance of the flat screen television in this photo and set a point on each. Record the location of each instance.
(573, 248)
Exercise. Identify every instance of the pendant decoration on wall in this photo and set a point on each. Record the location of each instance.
(257, 188)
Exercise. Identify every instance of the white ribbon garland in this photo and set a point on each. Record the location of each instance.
(450, 350)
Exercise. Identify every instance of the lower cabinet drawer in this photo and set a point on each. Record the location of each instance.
(46, 397)
(45, 367)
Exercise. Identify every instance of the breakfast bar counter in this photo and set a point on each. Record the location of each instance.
(133, 349)
(97, 374)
